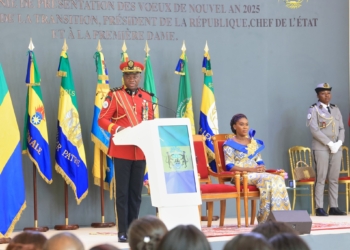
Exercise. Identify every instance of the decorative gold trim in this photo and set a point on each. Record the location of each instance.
(14, 221)
(180, 73)
(61, 74)
(99, 144)
(70, 183)
(37, 166)
(103, 77)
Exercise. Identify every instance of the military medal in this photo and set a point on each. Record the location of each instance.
(144, 110)
(323, 124)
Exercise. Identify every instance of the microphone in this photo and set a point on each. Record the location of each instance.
(155, 103)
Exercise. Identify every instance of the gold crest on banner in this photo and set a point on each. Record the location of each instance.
(293, 4)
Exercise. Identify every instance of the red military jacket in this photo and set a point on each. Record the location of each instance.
(114, 115)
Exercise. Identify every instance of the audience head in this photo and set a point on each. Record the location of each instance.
(288, 241)
(184, 237)
(272, 228)
(64, 241)
(248, 241)
(27, 240)
(235, 119)
(145, 233)
(104, 247)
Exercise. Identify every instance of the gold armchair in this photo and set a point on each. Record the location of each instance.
(296, 154)
(344, 177)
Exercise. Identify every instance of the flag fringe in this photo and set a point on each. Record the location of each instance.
(70, 183)
(37, 166)
(106, 186)
(99, 144)
(14, 221)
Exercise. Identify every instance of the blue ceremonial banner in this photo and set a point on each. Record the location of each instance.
(70, 152)
(99, 136)
(36, 142)
(208, 118)
(12, 192)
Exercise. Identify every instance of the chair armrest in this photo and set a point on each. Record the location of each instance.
(280, 172)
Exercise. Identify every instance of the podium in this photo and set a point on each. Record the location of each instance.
(172, 171)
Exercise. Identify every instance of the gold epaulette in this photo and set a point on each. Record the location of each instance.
(313, 105)
(147, 91)
(116, 89)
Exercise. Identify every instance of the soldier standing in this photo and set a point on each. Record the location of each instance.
(125, 107)
(327, 129)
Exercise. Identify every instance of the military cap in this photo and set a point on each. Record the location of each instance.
(322, 87)
(131, 67)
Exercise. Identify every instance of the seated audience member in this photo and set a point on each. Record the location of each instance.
(242, 153)
(64, 241)
(146, 232)
(104, 247)
(27, 240)
(184, 237)
(288, 241)
(248, 241)
(272, 228)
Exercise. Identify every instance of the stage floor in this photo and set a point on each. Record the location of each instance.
(319, 239)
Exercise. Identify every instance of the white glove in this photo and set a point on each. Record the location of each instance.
(333, 147)
(337, 145)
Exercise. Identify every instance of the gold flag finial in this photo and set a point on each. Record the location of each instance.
(99, 47)
(124, 48)
(183, 48)
(65, 46)
(31, 45)
(147, 49)
(206, 48)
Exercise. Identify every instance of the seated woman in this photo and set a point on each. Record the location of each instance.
(242, 153)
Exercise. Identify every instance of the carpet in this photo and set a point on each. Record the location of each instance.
(232, 230)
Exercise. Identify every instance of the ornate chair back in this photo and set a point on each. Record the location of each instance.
(201, 158)
(218, 141)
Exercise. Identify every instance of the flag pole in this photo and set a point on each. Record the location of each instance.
(102, 223)
(66, 226)
(215, 217)
(35, 228)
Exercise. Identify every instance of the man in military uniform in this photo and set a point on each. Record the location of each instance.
(327, 129)
(124, 107)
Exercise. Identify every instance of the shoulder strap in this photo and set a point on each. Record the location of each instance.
(130, 114)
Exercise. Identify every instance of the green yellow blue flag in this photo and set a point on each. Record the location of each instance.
(184, 100)
(12, 192)
(150, 86)
(36, 142)
(208, 118)
(70, 152)
(149, 83)
(99, 136)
